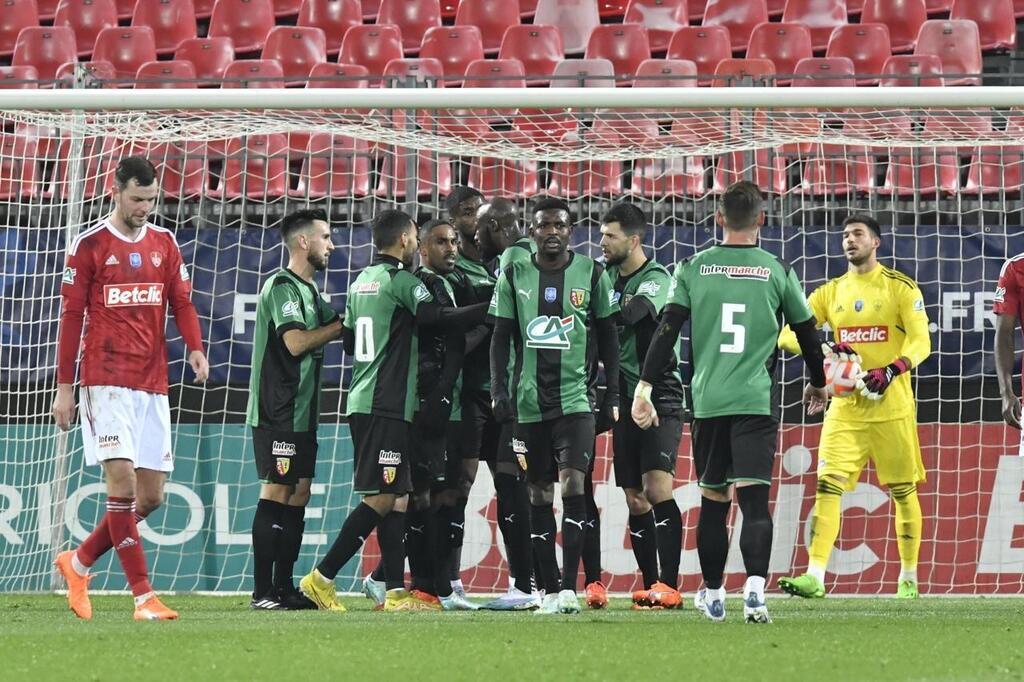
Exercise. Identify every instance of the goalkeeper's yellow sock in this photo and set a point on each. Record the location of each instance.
(824, 525)
(908, 527)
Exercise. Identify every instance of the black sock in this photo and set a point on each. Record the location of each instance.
(712, 541)
(456, 533)
(289, 547)
(592, 540)
(378, 570)
(668, 526)
(645, 546)
(756, 535)
(266, 539)
(357, 527)
(418, 545)
(542, 534)
(516, 517)
(442, 552)
(391, 536)
(574, 532)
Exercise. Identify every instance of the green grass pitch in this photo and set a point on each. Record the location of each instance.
(219, 638)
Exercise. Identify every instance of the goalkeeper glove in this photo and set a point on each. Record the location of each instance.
(841, 351)
(872, 384)
(501, 405)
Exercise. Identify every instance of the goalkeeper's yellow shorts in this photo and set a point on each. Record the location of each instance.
(893, 447)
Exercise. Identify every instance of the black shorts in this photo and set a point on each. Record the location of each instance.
(284, 457)
(481, 435)
(734, 448)
(637, 451)
(556, 444)
(436, 461)
(382, 455)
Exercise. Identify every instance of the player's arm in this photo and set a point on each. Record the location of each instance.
(657, 362)
(917, 345)
(1005, 305)
(606, 311)
(502, 310)
(797, 312)
(818, 302)
(185, 316)
(75, 285)
(290, 325)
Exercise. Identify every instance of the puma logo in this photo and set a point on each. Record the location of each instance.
(638, 534)
(542, 536)
(416, 529)
(578, 524)
(661, 524)
(510, 518)
(460, 526)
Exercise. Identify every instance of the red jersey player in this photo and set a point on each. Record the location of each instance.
(1008, 305)
(119, 279)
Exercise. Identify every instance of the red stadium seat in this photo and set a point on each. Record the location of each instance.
(253, 73)
(776, 8)
(705, 47)
(338, 76)
(16, 15)
(733, 72)
(903, 17)
(86, 18)
(739, 16)
(611, 8)
(172, 21)
(181, 170)
(209, 56)
(867, 45)
(370, 9)
(169, 74)
(832, 169)
(854, 7)
(18, 78)
(448, 9)
(504, 178)
(584, 73)
(666, 73)
(333, 16)
(938, 6)
(928, 171)
(454, 46)
(957, 44)
(661, 18)
(125, 9)
(412, 17)
(373, 46)
(426, 72)
(574, 18)
(821, 16)
(286, 8)
(539, 48)
(996, 170)
(784, 44)
(297, 49)
(624, 45)
(204, 9)
(492, 17)
(97, 74)
(1018, 8)
(126, 47)
(697, 8)
(589, 177)
(18, 167)
(495, 73)
(255, 168)
(47, 9)
(825, 72)
(997, 26)
(246, 22)
(97, 176)
(483, 73)
(335, 166)
(45, 48)
(434, 174)
(909, 70)
(527, 8)
(677, 175)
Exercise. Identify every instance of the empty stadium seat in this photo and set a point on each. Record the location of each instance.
(126, 47)
(181, 169)
(96, 178)
(928, 171)
(492, 17)
(776, 8)
(821, 16)
(246, 22)
(253, 73)
(661, 18)
(86, 18)
(831, 169)
(448, 9)
(454, 46)
(574, 18)
(373, 46)
(18, 78)
(434, 174)
(99, 73)
(1018, 8)
(739, 16)
(14, 16)
(527, 8)
(957, 44)
(903, 17)
(677, 175)
(938, 6)
(286, 8)
(997, 27)
(412, 17)
(209, 56)
(909, 70)
(370, 9)
(784, 44)
(334, 166)
(666, 73)
(538, 48)
(624, 45)
(338, 76)
(825, 72)
(867, 45)
(996, 170)
(505, 178)
(704, 46)
(333, 16)
(125, 9)
(204, 9)
(297, 49)
(18, 167)
(47, 9)
(426, 72)
(167, 74)
(586, 177)
(46, 48)
(484, 73)
(608, 9)
(172, 21)
(584, 73)
(697, 8)
(735, 71)
(255, 168)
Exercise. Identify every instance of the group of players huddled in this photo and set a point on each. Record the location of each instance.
(492, 349)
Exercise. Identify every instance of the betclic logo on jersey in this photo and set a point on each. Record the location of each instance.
(550, 332)
(876, 334)
(126, 295)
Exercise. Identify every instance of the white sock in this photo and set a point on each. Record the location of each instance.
(718, 593)
(511, 582)
(817, 571)
(754, 584)
(143, 598)
(80, 568)
(909, 574)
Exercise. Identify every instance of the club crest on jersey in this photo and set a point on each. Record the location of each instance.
(69, 276)
(389, 474)
(421, 293)
(1000, 297)
(290, 309)
(135, 259)
(550, 332)
(616, 296)
(519, 448)
(577, 297)
(648, 288)
(858, 305)
(550, 294)
(156, 258)
(283, 464)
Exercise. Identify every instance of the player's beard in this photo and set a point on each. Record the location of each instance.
(616, 258)
(859, 258)
(318, 261)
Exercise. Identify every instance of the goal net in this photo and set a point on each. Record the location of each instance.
(943, 170)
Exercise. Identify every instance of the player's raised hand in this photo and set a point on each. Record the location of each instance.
(643, 411)
(1011, 410)
(64, 406)
(200, 365)
(815, 398)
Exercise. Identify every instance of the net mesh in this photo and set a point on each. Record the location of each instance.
(947, 181)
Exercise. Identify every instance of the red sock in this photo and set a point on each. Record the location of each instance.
(124, 535)
(98, 543)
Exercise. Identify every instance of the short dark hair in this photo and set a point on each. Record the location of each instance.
(137, 168)
(428, 227)
(551, 204)
(300, 220)
(741, 204)
(866, 220)
(630, 218)
(459, 194)
(388, 226)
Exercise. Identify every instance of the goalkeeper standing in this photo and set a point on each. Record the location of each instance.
(877, 314)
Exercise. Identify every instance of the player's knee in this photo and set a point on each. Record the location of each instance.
(637, 502)
(901, 491)
(541, 494)
(717, 494)
(469, 469)
(573, 482)
(382, 504)
(148, 502)
(831, 485)
(421, 500)
(657, 487)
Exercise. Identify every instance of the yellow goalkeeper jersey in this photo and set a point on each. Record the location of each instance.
(881, 314)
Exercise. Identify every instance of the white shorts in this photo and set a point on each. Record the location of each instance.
(123, 423)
